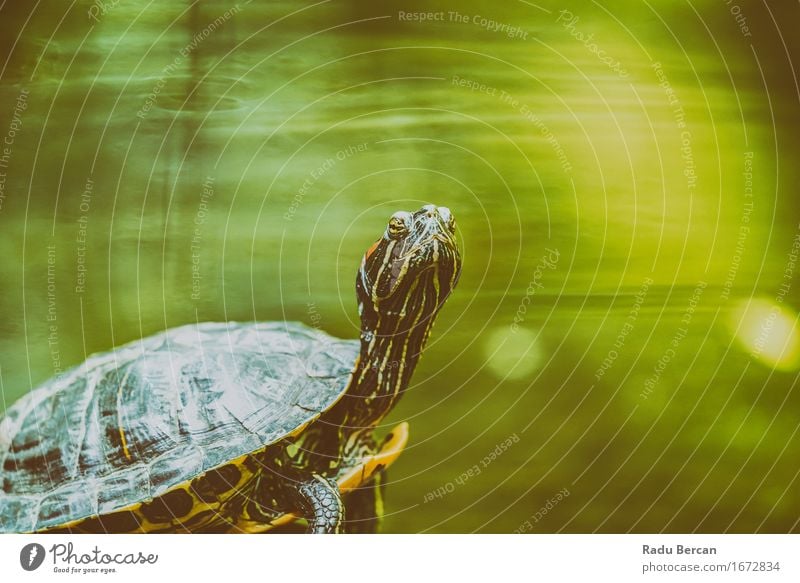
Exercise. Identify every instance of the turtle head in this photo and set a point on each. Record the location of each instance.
(407, 275)
(403, 281)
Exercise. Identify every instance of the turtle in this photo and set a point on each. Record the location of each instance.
(234, 426)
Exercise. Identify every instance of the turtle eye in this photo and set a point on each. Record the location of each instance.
(399, 224)
(448, 218)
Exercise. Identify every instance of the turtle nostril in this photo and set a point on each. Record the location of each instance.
(430, 210)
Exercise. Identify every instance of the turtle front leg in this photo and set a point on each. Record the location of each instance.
(319, 500)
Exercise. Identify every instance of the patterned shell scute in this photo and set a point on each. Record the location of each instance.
(130, 424)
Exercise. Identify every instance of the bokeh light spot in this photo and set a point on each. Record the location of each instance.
(513, 354)
(768, 331)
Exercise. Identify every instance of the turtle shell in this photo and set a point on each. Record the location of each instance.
(130, 424)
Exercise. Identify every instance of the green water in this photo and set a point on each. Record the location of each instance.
(172, 162)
